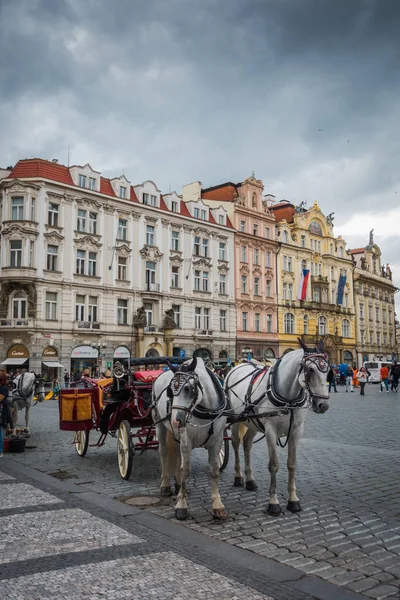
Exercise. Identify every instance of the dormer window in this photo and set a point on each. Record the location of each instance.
(82, 181)
(221, 220)
(196, 213)
(92, 183)
(122, 192)
(153, 200)
(204, 215)
(174, 206)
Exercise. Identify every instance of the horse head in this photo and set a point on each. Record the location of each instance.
(186, 391)
(313, 372)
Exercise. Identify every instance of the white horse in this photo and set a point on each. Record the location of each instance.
(189, 402)
(25, 386)
(275, 402)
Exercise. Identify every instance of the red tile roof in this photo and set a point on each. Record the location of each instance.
(356, 251)
(37, 167)
(224, 192)
(134, 198)
(283, 210)
(163, 206)
(106, 188)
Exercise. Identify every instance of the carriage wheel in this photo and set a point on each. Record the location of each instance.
(224, 455)
(124, 448)
(81, 441)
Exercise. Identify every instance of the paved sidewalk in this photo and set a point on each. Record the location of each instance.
(59, 543)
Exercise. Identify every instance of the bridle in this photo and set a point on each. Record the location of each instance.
(320, 362)
(178, 382)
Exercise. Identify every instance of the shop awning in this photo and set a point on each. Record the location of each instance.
(14, 361)
(54, 364)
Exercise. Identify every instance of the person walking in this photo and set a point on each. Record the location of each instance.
(349, 379)
(331, 379)
(5, 412)
(355, 380)
(362, 377)
(395, 375)
(66, 379)
(384, 373)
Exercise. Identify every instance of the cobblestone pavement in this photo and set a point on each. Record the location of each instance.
(348, 482)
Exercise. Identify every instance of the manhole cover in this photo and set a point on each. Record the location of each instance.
(62, 475)
(142, 501)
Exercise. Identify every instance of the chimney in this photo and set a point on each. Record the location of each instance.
(55, 160)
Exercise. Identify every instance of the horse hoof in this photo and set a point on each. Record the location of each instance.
(181, 514)
(251, 485)
(165, 492)
(294, 506)
(274, 510)
(239, 482)
(177, 488)
(220, 514)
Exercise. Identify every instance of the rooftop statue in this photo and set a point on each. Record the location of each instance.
(330, 218)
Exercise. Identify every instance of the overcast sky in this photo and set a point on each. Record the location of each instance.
(303, 92)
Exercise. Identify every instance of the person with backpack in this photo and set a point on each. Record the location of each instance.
(349, 379)
(395, 376)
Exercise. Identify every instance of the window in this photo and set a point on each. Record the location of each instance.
(384, 339)
(177, 314)
(122, 312)
(222, 251)
(80, 262)
(362, 333)
(284, 258)
(15, 253)
(17, 209)
(221, 220)
(197, 245)
(52, 256)
(256, 256)
(319, 247)
(19, 306)
(92, 264)
(257, 322)
(51, 306)
(92, 309)
(145, 198)
(197, 280)
(324, 295)
(81, 222)
(244, 284)
(153, 200)
(204, 215)
(244, 320)
(31, 252)
(371, 339)
(82, 181)
(243, 226)
(244, 254)
(288, 323)
(255, 229)
(289, 264)
(303, 241)
(361, 311)
(267, 233)
(175, 241)
(285, 237)
(345, 328)
(52, 215)
(122, 233)
(305, 324)
(196, 213)
(174, 206)
(205, 281)
(122, 192)
(205, 247)
(122, 272)
(316, 295)
(322, 325)
(269, 323)
(370, 313)
(384, 315)
(80, 308)
(150, 275)
(341, 252)
(148, 308)
(257, 286)
(33, 209)
(290, 291)
(175, 277)
(377, 314)
(92, 184)
(197, 317)
(222, 283)
(206, 318)
(150, 235)
(93, 223)
(268, 288)
(222, 320)
(268, 259)
(285, 291)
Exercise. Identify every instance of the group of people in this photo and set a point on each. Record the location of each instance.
(357, 378)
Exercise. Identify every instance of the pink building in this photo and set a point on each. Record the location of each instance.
(255, 252)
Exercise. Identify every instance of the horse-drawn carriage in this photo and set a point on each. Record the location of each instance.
(120, 407)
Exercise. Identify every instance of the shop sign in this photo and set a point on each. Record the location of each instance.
(122, 352)
(84, 352)
(50, 351)
(18, 351)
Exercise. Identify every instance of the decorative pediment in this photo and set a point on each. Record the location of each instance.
(89, 203)
(15, 230)
(269, 274)
(17, 186)
(201, 231)
(123, 213)
(151, 253)
(7, 288)
(151, 220)
(202, 262)
(123, 250)
(287, 276)
(87, 242)
(53, 237)
(223, 267)
(135, 215)
(244, 269)
(270, 309)
(257, 270)
(175, 259)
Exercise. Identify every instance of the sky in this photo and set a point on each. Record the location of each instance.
(302, 92)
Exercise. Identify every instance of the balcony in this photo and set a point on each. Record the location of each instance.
(322, 279)
(205, 332)
(152, 329)
(87, 325)
(153, 287)
(15, 323)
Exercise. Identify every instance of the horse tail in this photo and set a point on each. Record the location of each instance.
(173, 454)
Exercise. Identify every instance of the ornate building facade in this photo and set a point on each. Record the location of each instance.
(375, 305)
(255, 250)
(306, 241)
(94, 269)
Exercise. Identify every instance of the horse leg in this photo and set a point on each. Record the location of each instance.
(219, 511)
(27, 415)
(247, 446)
(239, 482)
(273, 466)
(181, 507)
(162, 436)
(293, 503)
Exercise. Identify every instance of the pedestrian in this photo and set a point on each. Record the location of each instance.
(362, 377)
(108, 373)
(331, 379)
(395, 375)
(5, 412)
(349, 379)
(384, 373)
(66, 379)
(56, 388)
(355, 380)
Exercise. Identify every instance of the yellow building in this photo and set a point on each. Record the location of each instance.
(306, 241)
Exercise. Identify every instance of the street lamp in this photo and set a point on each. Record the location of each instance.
(101, 348)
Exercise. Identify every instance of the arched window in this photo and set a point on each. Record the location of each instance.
(322, 325)
(285, 237)
(203, 353)
(288, 323)
(254, 201)
(305, 324)
(345, 328)
(269, 353)
(152, 353)
(19, 306)
(223, 355)
(347, 357)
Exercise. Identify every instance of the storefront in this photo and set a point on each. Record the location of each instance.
(17, 359)
(84, 357)
(50, 364)
(122, 355)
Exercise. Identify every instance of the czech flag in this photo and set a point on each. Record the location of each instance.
(305, 275)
